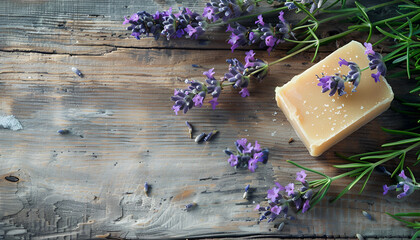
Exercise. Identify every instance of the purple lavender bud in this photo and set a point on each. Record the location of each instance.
(227, 9)
(63, 131)
(367, 215)
(308, 195)
(382, 169)
(354, 75)
(280, 227)
(233, 160)
(305, 206)
(146, 189)
(227, 152)
(333, 83)
(210, 135)
(264, 158)
(262, 218)
(190, 206)
(190, 128)
(200, 137)
(77, 71)
(245, 196)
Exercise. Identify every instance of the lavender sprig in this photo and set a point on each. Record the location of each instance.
(264, 35)
(185, 23)
(246, 155)
(227, 9)
(196, 93)
(336, 83)
(405, 184)
(281, 197)
(239, 76)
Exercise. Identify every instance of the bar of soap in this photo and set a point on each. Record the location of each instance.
(320, 120)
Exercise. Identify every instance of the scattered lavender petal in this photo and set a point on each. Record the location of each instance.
(190, 206)
(77, 71)
(11, 178)
(280, 227)
(367, 215)
(146, 188)
(210, 135)
(63, 131)
(190, 128)
(200, 137)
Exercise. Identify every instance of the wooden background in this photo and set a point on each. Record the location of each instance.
(89, 184)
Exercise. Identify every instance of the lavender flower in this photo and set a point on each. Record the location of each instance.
(333, 83)
(402, 175)
(354, 74)
(239, 74)
(185, 23)
(375, 62)
(405, 184)
(272, 194)
(227, 9)
(300, 176)
(336, 83)
(290, 188)
(246, 156)
(279, 199)
(195, 94)
(144, 24)
(306, 206)
(264, 35)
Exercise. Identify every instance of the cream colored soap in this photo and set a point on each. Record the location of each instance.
(322, 121)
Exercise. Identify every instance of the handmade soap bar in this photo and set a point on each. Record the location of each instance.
(321, 120)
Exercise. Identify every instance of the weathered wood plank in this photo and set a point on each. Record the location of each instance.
(124, 133)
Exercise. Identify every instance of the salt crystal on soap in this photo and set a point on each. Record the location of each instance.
(316, 131)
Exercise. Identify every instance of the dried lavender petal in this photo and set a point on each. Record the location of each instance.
(77, 71)
(63, 131)
(210, 135)
(280, 227)
(200, 137)
(11, 178)
(146, 188)
(367, 215)
(190, 206)
(190, 128)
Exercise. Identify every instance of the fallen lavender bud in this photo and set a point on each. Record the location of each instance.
(280, 227)
(77, 71)
(190, 128)
(190, 206)
(245, 196)
(146, 188)
(63, 131)
(367, 215)
(11, 178)
(247, 156)
(200, 137)
(210, 135)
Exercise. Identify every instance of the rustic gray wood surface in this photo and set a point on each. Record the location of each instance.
(89, 184)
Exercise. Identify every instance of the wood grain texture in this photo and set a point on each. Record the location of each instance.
(89, 184)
